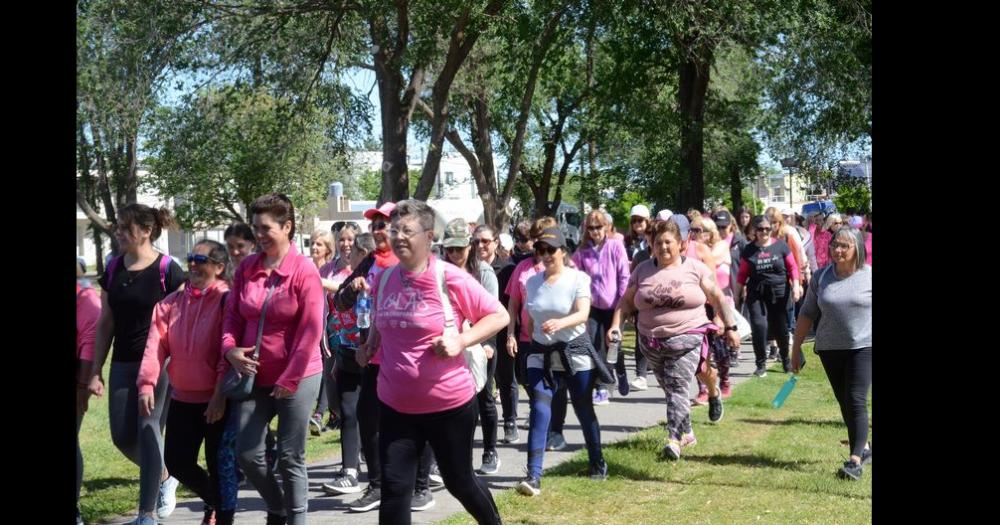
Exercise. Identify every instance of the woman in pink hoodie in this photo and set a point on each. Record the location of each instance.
(88, 313)
(187, 329)
(280, 292)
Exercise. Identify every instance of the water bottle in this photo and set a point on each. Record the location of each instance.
(363, 309)
(786, 389)
(620, 375)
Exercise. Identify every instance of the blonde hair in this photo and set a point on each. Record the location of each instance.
(540, 225)
(599, 215)
(777, 221)
(327, 239)
(709, 226)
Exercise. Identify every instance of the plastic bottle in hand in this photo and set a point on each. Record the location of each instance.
(363, 309)
(613, 348)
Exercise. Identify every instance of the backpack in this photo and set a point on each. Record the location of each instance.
(164, 263)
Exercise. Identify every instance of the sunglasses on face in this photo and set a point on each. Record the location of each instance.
(763, 229)
(484, 242)
(595, 228)
(454, 249)
(638, 219)
(379, 225)
(199, 258)
(695, 230)
(545, 249)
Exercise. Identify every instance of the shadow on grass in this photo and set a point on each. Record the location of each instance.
(580, 468)
(746, 460)
(794, 421)
(108, 483)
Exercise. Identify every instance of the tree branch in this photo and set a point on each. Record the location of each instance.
(91, 214)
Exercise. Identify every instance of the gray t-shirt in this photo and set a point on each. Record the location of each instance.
(552, 301)
(846, 305)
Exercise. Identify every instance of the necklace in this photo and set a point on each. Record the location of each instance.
(131, 276)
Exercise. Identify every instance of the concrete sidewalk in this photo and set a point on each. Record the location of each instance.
(622, 417)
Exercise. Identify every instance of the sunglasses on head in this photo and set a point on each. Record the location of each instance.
(199, 258)
(379, 225)
(545, 249)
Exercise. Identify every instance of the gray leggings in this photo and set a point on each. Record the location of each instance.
(140, 439)
(79, 458)
(674, 367)
(293, 414)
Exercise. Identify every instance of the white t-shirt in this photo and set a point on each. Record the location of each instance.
(552, 301)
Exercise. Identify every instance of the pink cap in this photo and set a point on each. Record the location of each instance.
(385, 209)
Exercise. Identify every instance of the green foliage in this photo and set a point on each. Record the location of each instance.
(855, 196)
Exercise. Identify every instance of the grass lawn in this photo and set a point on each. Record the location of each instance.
(759, 465)
(111, 482)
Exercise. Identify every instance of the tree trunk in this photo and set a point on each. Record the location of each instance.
(395, 125)
(131, 182)
(735, 189)
(694, 77)
(99, 249)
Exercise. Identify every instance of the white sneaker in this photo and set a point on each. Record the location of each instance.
(639, 384)
(166, 502)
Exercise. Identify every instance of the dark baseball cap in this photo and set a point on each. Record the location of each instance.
(721, 219)
(553, 237)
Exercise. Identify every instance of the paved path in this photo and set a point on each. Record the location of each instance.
(624, 416)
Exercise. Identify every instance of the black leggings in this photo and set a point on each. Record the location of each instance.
(450, 434)
(765, 317)
(597, 329)
(186, 429)
(507, 384)
(349, 389)
(488, 407)
(850, 375)
(369, 414)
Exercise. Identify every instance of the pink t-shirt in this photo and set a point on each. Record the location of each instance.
(670, 300)
(88, 313)
(413, 379)
(516, 288)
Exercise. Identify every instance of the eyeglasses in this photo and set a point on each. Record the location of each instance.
(545, 249)
(403, 234)
(595, 228)
(763, 229)
(379, 225)
(485, 242)
(840, 246)
(454, 249)
(200, 259)
(695, 230)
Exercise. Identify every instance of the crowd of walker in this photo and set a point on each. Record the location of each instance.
(372, 329)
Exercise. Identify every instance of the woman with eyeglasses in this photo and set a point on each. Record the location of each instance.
(133, 283)
(670, 292)
(823, 236)
(458, 251)
(186, 328)
(426, 391)
(523, 248)
(770, 274)
(606, 262)
(276, 303)
(561, 353)
(487, 245)
(842, 293)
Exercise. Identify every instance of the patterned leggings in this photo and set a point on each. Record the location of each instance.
(674, 361)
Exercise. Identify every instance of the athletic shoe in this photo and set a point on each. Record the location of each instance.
(224, 517)
(530, 486)
(760, 372)
(143, 519)
(209, 517)
(786, 365)
(422, 500)
(316, 425)
(850, 470)
(688, 439)
(672, 450)
(866, 455)
(601, 397)
(342, 484)
(555, 441)
(371, 499)
(333, 422)
(701, 400)
(491, 463)
(726, 391)
(773, 356)
(510, 432)
(79, 518)
(623, 383)
(276, 519)
(639, 384)
(166, 501)
(435, 477)
(715, 410)
(599, 472)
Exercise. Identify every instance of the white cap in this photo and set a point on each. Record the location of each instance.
(506, 241)
(664, 215)
(788, 211)
(639, 210)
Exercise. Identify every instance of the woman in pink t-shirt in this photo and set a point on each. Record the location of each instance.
(670, 292)
(88, 313)
(427, 393)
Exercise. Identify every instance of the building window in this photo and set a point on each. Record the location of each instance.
(449, 177)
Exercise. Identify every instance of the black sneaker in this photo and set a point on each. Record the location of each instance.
(422, 500)
(786, 365)
(435, 477)
(555, 441)
(371, 499)
(333, 423)
(491, 463)
(623, 383)
(275, 519)
(761, 371)
(510, 432)
(342, 484)
(530, 486)
(715, 410)
(599, 472)
(850, 470)
(774, 353)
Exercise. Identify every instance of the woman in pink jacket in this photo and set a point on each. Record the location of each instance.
(283, 288)
(88, 313)
(187, 329)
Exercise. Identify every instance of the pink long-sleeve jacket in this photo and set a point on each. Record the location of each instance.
(88, 313)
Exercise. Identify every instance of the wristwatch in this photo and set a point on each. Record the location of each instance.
(733, 328)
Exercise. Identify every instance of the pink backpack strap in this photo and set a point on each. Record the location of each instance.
(164, 264)
(112, 266)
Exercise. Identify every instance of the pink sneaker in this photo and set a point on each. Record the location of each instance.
(688, 440)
